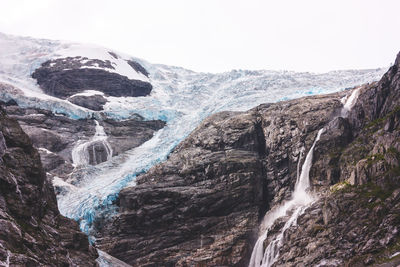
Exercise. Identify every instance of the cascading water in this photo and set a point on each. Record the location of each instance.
(300, 199)
(349, 102)
(81, 154)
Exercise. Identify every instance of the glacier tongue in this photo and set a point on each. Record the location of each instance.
(180, 97)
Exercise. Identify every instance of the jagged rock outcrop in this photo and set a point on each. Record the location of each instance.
(203, 205)
(33, 233)
(64, 77)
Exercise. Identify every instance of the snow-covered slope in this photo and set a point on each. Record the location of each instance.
(181, 97)
(119, 63)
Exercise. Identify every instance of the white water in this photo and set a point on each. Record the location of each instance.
(349, 102)
(300, 199)
(80, 153)
(7, 262)
(180, 97)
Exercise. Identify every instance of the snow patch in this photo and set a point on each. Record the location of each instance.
(330, 262)
(119, 64)
(106, 260)
(58, 182)
(45, 150)
(88, 93)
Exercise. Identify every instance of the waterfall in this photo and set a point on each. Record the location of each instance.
(299, 201)
(81, 153)
(349, 102)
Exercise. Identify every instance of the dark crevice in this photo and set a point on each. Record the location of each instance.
(262, 152)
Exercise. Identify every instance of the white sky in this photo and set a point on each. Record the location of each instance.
(219, 35)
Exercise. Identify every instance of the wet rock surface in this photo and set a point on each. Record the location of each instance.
(65, 77)
(33, 233)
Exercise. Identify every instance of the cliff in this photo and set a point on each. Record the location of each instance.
(33, 233)
(204, 204)
(356, 221)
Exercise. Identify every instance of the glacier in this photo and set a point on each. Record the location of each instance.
(181, 97)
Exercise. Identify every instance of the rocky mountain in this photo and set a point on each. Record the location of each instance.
(72, 124)
(356, 220)
(163, 166)
(202, 207)
(33, 232)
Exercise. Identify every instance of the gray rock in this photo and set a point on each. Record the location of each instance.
(33, 233)
(65, 77)
(94, 102)
(203, 205)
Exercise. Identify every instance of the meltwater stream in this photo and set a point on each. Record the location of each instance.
(81, 154)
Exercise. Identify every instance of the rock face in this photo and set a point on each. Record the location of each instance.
(55, 136)
(33, 233)
(65, 77)
(139, 68)
(202, 207)
(356, 221)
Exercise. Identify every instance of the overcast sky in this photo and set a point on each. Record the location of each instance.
(220, 35)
